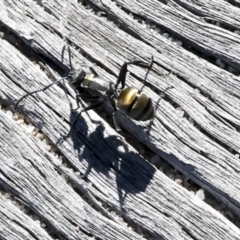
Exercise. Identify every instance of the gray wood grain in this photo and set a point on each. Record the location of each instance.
(118, 176)
(206, 37)
(27, 171)
(216, 10)
(17, 225)
(171, 137)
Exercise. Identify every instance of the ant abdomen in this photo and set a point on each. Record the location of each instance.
(135, 104)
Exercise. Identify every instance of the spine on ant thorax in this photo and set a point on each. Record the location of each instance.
(96, 85)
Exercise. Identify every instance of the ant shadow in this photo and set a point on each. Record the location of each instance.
(102, 153)
(111, 154)
(107, 154)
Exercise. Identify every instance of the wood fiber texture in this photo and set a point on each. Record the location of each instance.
(120, 195)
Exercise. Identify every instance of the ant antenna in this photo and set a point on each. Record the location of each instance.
(69, 55)
(149, 68)
(70, 59)
(43, 89)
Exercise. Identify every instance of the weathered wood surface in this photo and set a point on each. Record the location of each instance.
(208, 38)
(118, 177)
(17, 225)
(29, 170)
(220, 11)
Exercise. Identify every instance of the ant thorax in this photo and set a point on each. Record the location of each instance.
(75, 77)
(117, 91)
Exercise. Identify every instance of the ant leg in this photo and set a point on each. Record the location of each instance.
(122, 76)
(78, 95)
(63, 50)
(115, 122)
(123, 71)
(165, 90)
(94, 71)
(69, 55)
(92, 106)
(40, 90)
(149, 68)
(78, 100)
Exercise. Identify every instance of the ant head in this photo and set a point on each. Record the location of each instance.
(76, 77)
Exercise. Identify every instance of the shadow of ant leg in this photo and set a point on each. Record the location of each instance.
(92, 106)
